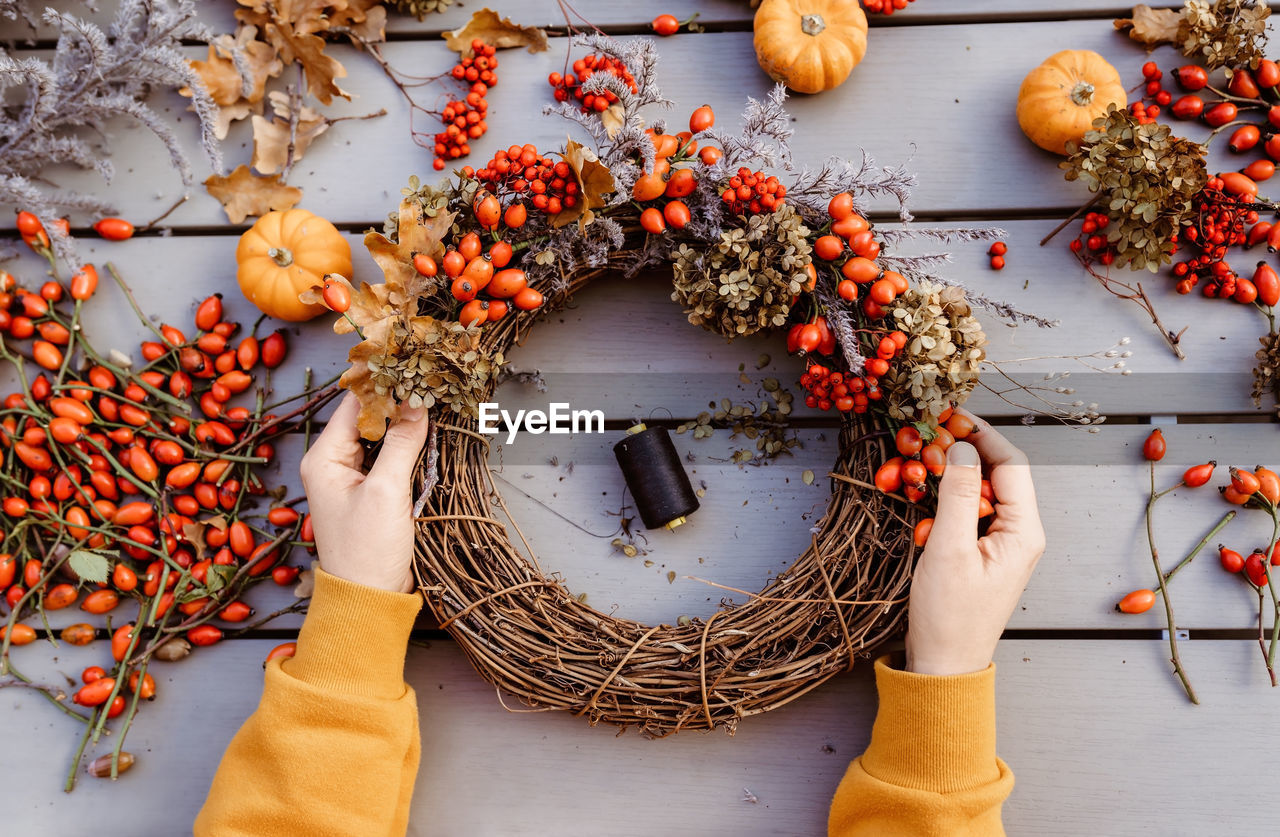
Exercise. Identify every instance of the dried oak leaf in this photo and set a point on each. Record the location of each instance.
(261, 59)
(233, 93)
(243, 193)
(221, 78)
(1151, 27)
(613, 118)
(489, 27)
(366, 19)
(594, 182)
(371, 304)
(375, 409)
(415, 233)
(308, 50)
(304, 16)
(271, 136)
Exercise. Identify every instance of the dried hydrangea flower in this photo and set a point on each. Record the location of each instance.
(1145, 179)
(940, 363)
(746, 282)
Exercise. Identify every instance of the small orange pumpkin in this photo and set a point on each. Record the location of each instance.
(1060, 99)
(810, 45)
(285, 253)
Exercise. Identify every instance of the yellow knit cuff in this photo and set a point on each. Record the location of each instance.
(934, 733)
(354, 638)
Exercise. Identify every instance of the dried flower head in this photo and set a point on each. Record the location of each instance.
(747, 280)
(1266, 375)
(939, 366)
(420, 8)
(1224, 33)
(1145, 179)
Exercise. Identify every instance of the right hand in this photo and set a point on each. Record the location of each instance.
(965, 587)
(364, 522)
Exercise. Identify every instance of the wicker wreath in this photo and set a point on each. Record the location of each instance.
(526, 633)
(744, 254)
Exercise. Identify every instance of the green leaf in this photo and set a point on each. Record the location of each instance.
(89, 566)
(218, 577)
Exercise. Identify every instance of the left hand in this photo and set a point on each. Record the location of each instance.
(364, 522)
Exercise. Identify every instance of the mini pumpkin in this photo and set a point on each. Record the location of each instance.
(810, 45)
(1060, 99)
(285, 253)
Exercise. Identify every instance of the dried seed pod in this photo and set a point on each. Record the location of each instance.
(101, 766)
(173, 650)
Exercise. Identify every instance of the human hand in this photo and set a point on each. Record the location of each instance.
(363, 522)
(965, 588)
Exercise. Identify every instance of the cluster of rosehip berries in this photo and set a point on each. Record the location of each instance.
(464, 120)
(551, 185)
(569, 85)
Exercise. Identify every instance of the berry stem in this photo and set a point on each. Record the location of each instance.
(1164, 592)
(1226, 518)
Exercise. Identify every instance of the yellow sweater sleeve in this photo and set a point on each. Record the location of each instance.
(931, 767)
(333, 746)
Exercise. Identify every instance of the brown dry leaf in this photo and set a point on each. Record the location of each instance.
(416, 233)
(304, 16)
(260, 58)
(228, 114)
(371, 304)
(613, 119)
(489, 27)
(243, 193)
(220, 76)
(194, 534)
(375, 409)
(367, 20)
(271, 139)
(594, 182)
(308, 50)
(1151, 27)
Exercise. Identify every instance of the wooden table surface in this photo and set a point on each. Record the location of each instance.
(1095, 726)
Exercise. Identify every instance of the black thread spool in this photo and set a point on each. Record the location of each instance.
(664, 496)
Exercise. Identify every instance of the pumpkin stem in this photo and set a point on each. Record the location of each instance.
(1082, 93)
(812, 24)
(281, 255)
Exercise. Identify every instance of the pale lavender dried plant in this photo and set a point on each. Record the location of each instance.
(57, 108)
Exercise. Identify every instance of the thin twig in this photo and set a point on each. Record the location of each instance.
(1164, 592)
(1074, 215)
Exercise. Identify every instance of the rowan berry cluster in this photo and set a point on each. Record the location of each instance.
(753, 192)
(569, 85)
(847, 393)
(464, 119)
(550, 184)
(1092, 240)
(885, 7)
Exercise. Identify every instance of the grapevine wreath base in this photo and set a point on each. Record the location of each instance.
(525, 632)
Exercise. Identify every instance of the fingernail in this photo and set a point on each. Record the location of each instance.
(963, 455)
(411, 414)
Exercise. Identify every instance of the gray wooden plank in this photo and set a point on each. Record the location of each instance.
(980, 163)
(615, 14)
(1064, 708)
(631, 327)
(1096, 552)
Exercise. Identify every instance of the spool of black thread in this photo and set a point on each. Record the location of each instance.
(664, 496)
